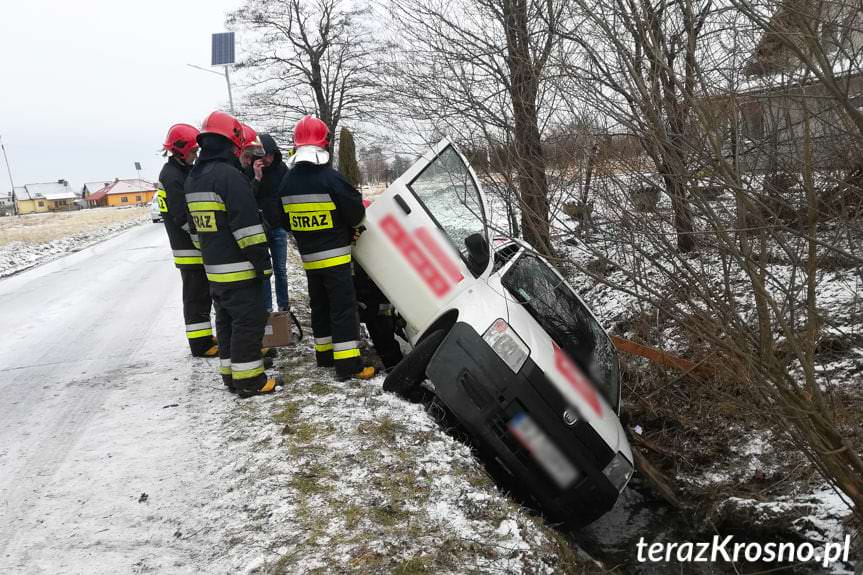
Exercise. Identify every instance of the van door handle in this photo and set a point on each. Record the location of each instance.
(402, 204)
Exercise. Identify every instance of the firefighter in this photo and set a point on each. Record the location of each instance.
(322, 209)
(377, 313)
(180, 143)
(234, 249)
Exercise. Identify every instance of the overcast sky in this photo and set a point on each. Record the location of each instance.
(91, 86)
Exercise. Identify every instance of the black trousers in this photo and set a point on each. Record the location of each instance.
(382, 328)
(334, 319)
(240, 321)
(377, 313)
(196, 309)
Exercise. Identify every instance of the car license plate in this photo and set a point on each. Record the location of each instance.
(543, 449)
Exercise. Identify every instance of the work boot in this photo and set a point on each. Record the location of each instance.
(269, 386)
(212, 352)
(367, 372)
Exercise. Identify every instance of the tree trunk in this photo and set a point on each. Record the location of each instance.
(325, 111)
(530, 163)
(673, 177)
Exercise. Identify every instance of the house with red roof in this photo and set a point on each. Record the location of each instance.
(122, 193)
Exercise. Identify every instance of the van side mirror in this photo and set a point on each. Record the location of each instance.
(478, 254)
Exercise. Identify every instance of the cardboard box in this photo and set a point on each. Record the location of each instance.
(278, 331)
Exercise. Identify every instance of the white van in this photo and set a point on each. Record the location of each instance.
(508, 346)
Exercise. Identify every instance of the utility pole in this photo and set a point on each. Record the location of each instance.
(227, 79)
(11, 182)
(230, 96)
(222, 55)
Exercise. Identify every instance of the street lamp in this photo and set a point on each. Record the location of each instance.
(227, 79)
(222, 55)
(11, 182)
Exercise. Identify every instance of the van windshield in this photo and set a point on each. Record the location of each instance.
(553, 305)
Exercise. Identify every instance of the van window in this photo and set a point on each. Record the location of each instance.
(449, 194)
(557, 309)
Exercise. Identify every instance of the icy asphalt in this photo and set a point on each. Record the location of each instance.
(93, 373)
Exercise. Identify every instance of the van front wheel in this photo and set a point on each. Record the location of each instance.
(411, 371)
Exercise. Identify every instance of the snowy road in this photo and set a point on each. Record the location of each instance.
(94, 404)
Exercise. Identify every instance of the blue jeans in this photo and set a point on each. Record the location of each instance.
(277, 238)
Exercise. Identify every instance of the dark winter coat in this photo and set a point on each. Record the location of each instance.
(321, 209)
(225, 216)
(267, 189)
(172, 205)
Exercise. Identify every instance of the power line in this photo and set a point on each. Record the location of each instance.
(11, 181)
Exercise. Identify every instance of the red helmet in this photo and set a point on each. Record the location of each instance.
(311, 131)
(181, 138)
(225, 125)
(251, 141)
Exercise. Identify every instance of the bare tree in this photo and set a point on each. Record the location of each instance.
(479, 70)
(374, 162)
(307, 57)
(637, 62)
(750, 307)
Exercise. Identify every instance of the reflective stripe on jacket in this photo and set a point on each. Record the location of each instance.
(321, 209)
(224, 215)
(172, 205)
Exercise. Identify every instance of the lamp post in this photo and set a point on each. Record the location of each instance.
(227, 79)
(11, 182)
(222, 54)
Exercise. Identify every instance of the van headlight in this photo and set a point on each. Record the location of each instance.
(618, 471)
(506, 344)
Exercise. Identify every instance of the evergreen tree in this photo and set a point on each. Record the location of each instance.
(348, 157)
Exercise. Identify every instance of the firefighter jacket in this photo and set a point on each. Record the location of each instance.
(225, 216)
(172, 204)
(266, 189)
(321, 208)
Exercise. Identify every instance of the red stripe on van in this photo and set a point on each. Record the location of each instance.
(414, 255)
(440, 256)
(576, 379)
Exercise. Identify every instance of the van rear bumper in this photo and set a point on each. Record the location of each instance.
(485, 395)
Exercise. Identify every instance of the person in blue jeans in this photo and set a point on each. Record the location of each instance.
(269, 170)
(278, 240)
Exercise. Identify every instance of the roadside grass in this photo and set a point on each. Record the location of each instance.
(42, 228)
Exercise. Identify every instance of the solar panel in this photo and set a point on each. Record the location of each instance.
(138, 166)
(223, 48)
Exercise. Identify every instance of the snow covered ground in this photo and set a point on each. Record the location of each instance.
(26, 241)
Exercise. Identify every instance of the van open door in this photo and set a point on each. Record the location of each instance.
(426, 238)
